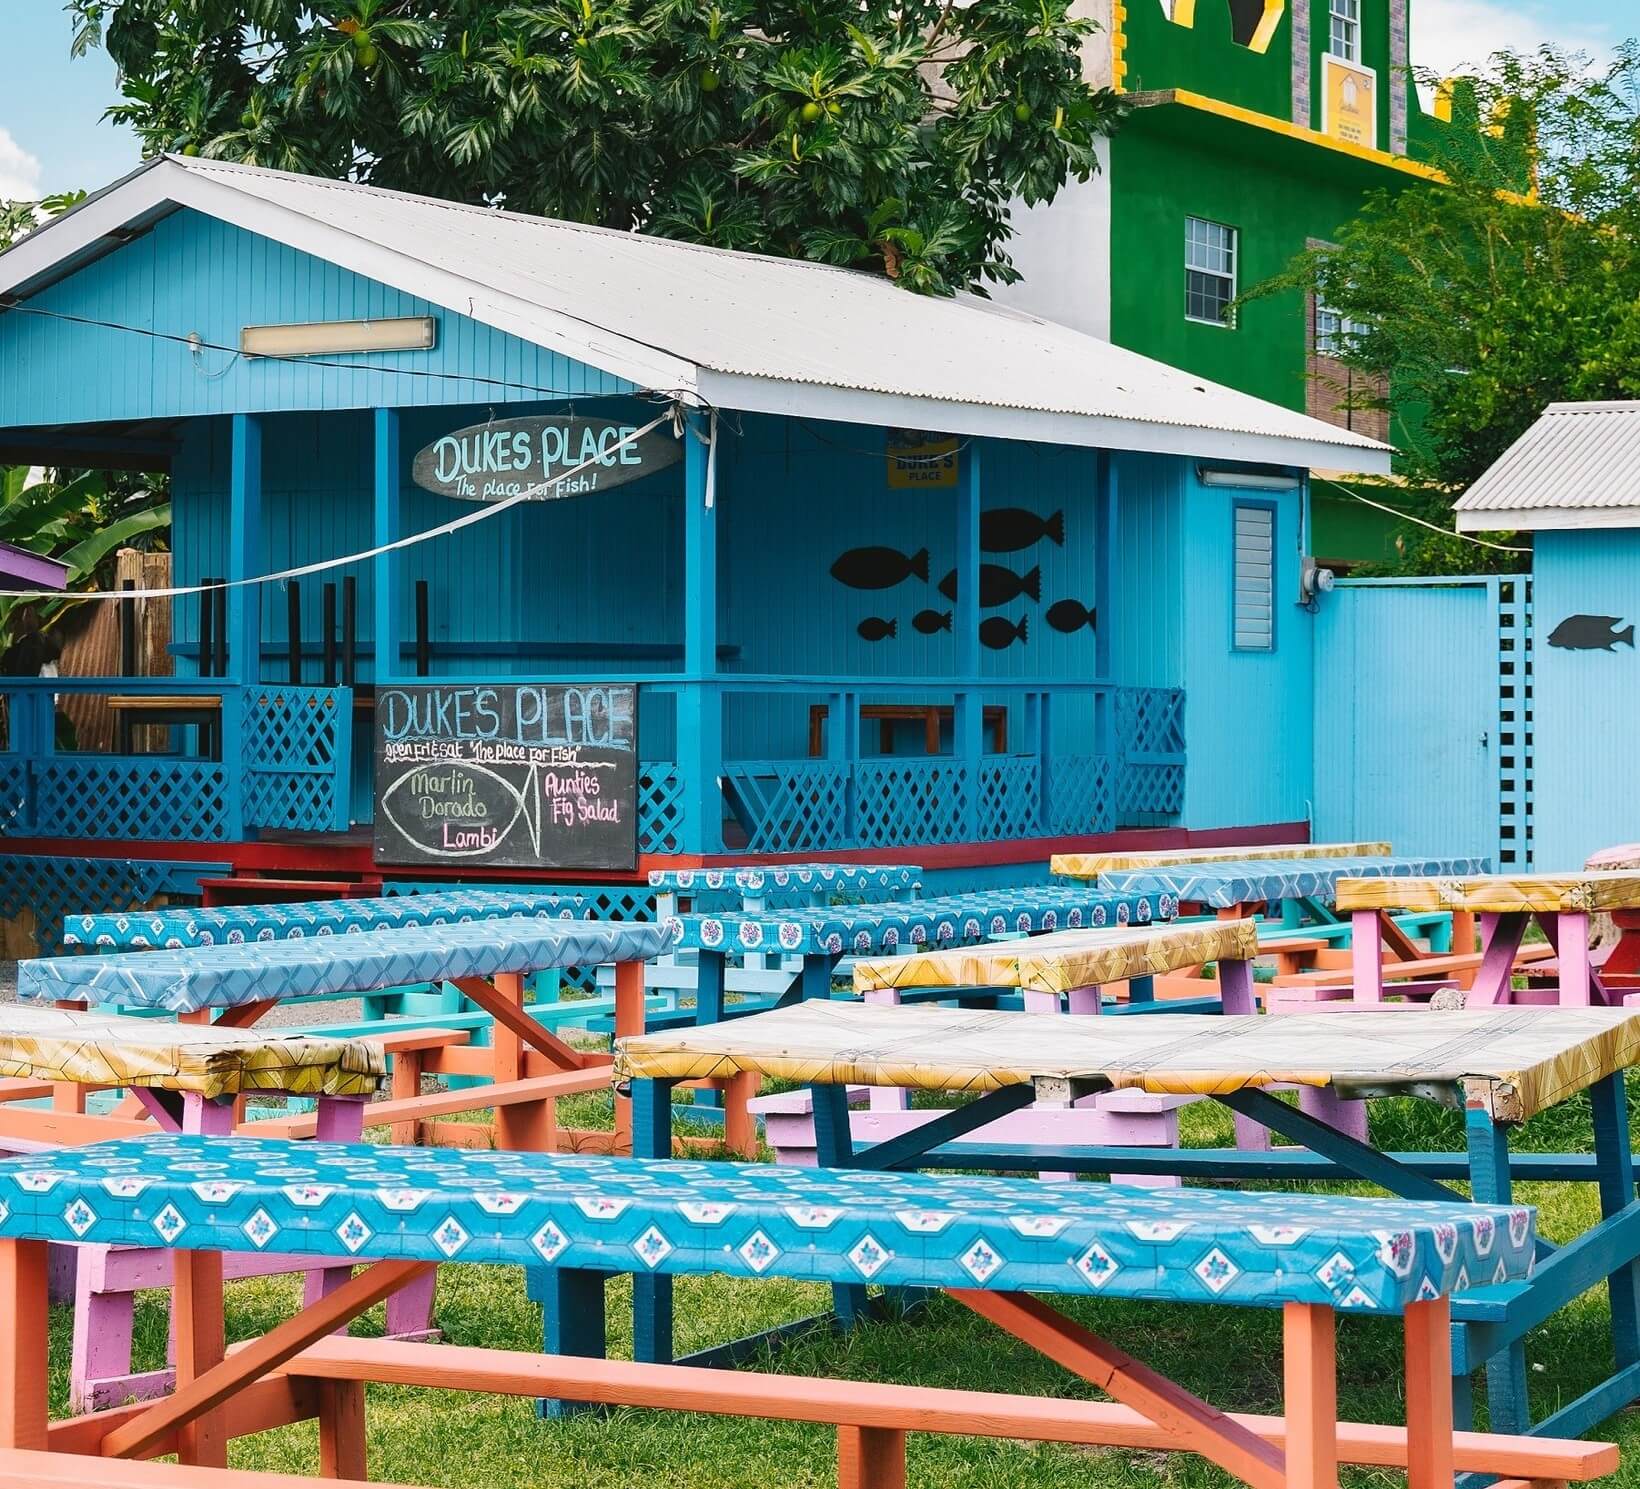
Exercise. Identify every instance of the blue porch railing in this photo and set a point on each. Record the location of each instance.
(279, 757)
(759, 764)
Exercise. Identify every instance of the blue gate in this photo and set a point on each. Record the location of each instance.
(1423, 723)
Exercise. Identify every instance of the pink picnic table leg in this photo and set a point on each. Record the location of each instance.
(1236, 993)
(1366, 956)
(886, 1098)
(1500, 940)
(1568, 933)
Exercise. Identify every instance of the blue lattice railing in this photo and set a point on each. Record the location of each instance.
(789, 806)
(662, 809)
(297, 748)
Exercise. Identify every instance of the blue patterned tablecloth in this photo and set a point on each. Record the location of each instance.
(1254, 880)
(247, 1194)
(229, 925)
(945, 921)
(186, 980)
(752, 877)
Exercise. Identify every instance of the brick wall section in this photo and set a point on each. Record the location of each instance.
(1399, 81)
(1301, 62)
(1328, 383)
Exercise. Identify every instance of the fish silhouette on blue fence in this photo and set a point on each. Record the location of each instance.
(932, 622)
(879, 568)
(1070, 615)
(875, 628)
(1591, 633)
(1008, 529)
(997, 585)
(999, 633)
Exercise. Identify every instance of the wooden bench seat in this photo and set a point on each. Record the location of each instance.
(997, 1246)
(24, 1468)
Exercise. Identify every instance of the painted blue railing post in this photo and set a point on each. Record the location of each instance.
(843, 746)
(244, 621)
(1039, 741)
(387, 622)
(968, 711)
(1107, 496)
(700, 702)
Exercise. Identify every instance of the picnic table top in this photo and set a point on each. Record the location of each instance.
(99, 1049)
(752, 877)
(1248, 881)
(1510, 1062)
(1092, 865)
(186, 980)
(231, 924)
(1498, 893)
(247, 1194)
(942, 921)
(1064, 960)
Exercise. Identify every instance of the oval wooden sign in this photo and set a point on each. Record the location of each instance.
(531, 456)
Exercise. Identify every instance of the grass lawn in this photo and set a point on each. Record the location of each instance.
(1230, 1356)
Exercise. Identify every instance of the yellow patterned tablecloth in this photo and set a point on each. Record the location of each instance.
(1497, 893)
(1064, 960)
(1092, 865)
(1509, 1062)
(97, 1049)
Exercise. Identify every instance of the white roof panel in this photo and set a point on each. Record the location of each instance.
(1578, 466)
(735, 329)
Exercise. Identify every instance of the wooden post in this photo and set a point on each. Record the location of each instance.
(699, 702)
(328, 620)
(341, 1430)
(1428, 1328)
(1366, 956)
(870, 1458)
(968, 711)
(388, 622)
(350, 631)
(23, 1333)
(244, 630)
(293, 630)
(424, 645)
(531, 1127)
(1311, 1396)
(196, 1313)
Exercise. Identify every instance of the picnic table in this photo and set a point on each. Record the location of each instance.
(1560, 904)
(1498, 1066)
(527, 1065)
(187, 1078)
(1092, 865)
(1000, 1247)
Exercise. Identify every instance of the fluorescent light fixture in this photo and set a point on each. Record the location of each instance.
(410, 333)
(1246, 480)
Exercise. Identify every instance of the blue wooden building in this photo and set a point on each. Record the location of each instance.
(1075, 608)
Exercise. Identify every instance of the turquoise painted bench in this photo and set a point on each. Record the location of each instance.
(1000, 1247)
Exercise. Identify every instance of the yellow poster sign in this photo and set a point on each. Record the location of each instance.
(1349, 110)
(917, 460)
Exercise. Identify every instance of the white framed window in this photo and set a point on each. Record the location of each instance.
(1209, 271)
(1345, 38)
(1253, 610)
(1335, 332)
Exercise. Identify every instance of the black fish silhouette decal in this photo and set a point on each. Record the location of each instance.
(932, 622)
(1591, 633)
(875, 628)
(879, 568)
(1070, 615)
(1008, 529)
(997, 585)
(998, 632)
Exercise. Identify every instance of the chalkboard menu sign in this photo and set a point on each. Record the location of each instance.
(514, 775)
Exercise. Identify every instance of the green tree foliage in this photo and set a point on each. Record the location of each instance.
(888, 134)
(1517, 284)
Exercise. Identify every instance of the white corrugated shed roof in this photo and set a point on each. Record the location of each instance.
(733, 330)
(1578, 466)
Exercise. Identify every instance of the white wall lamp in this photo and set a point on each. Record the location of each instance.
(410, 333)
(1246, 480)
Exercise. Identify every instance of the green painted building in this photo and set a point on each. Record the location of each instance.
(1257, 128)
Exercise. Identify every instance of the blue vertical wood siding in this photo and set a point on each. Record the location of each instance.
(1587, 702)
(193, 274)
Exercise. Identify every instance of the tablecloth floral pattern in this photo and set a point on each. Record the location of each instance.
(762, 1220)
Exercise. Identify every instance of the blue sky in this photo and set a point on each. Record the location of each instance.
(52, 137)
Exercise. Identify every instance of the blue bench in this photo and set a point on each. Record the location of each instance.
(998, 1246)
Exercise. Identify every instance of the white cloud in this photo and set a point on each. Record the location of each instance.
(19, 171)
(1453, 36)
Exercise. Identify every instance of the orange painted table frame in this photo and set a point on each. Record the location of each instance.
(304, 1370)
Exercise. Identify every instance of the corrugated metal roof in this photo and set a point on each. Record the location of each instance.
(672, 315)
(1578, 466)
